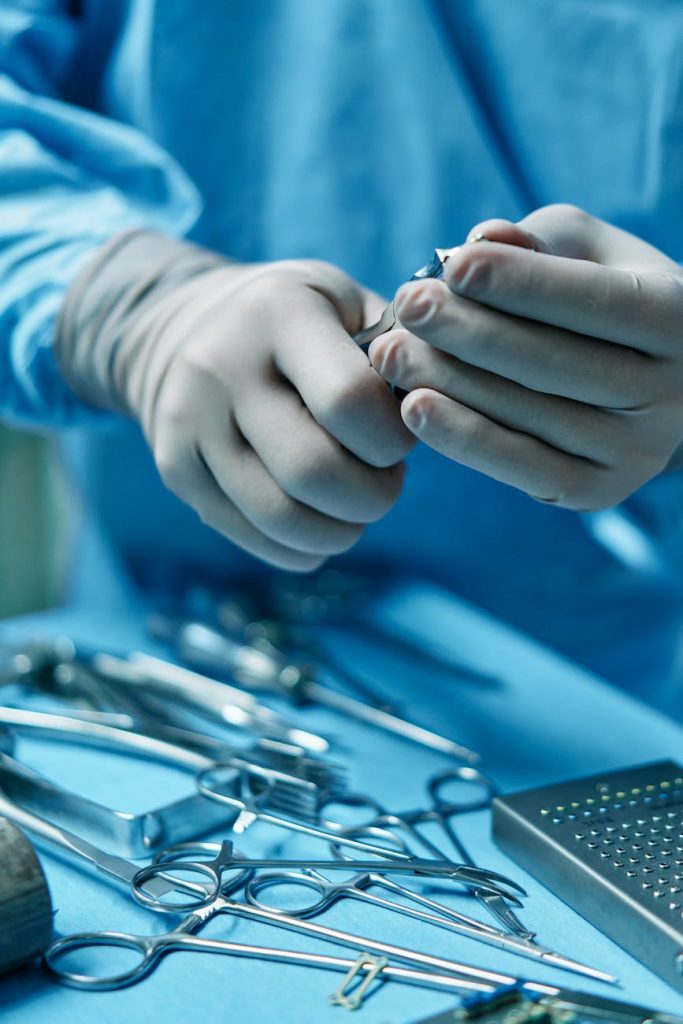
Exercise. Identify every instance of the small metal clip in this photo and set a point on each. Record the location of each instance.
(373, 966)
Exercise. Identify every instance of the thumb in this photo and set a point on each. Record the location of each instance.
(508, 233)
(557, 230)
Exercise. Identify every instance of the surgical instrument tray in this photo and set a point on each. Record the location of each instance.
(611, 846)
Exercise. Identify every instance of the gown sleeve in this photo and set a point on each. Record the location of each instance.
(69, 180)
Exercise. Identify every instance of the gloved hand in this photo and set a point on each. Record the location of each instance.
(559, 370)
(260, 411)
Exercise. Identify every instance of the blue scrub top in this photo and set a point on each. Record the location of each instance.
(363, 132)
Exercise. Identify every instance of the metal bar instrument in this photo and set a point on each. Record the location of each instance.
(209, 649)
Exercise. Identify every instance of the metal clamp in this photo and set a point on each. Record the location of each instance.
(372, 966)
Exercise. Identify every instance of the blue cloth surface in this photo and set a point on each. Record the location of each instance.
(547, 721)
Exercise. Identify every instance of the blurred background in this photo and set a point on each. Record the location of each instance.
(33, 503)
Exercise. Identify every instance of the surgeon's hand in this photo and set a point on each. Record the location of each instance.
(261, 412)
(550, 357)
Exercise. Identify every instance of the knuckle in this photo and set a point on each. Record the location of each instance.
(584, 489)
(207, 517)
(285, 520)
(665, 291)
(352, 534)
(472, 436)
(394, 355)
(306, 474)
(343, 399)
(638, 386)
(473, 269)
(278, 515)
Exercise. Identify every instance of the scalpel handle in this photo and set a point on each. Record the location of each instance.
(387, 722)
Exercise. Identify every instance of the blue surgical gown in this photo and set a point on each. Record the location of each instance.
(363, 132)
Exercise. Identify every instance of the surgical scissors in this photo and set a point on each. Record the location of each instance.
(173, 860)
(226, 859)
(479, 791)
(326, 893)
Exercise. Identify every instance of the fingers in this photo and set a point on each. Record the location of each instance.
(505, 231)
(242, 477)
(640, 310)
(184, 472)
(316, 471)
(570, 426)
(337, 384)
(535, 355)
(570, 231)
(513, 458)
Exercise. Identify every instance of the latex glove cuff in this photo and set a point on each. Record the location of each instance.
(108, 300)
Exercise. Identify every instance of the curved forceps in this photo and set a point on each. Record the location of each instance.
(326, 893)
(152, 948)
(228, 860)
(251, 809)
(439, 810)
(455, 975)
(173, 857)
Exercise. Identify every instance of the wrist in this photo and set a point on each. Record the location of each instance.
(110, 300)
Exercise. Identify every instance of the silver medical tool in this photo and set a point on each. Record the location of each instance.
(228, 860)
(211, 698)
(329, 776)
(121, 831)
(238, 617)
(301, 605)
(173, 859)
(327, 893)
(388, 320)
(116, 868)
(153, 947)
(42, 660)
(406, 825)
(209, 649)
(250, 807)
(124, 700)
(372, 966)
(513, 1005)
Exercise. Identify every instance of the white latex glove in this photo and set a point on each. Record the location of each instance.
(260, 411)
(558, 371)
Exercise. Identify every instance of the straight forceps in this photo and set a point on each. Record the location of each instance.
(326, 893)
(151, 948)
(479, 791)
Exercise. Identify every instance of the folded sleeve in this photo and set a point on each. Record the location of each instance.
(69, 180)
